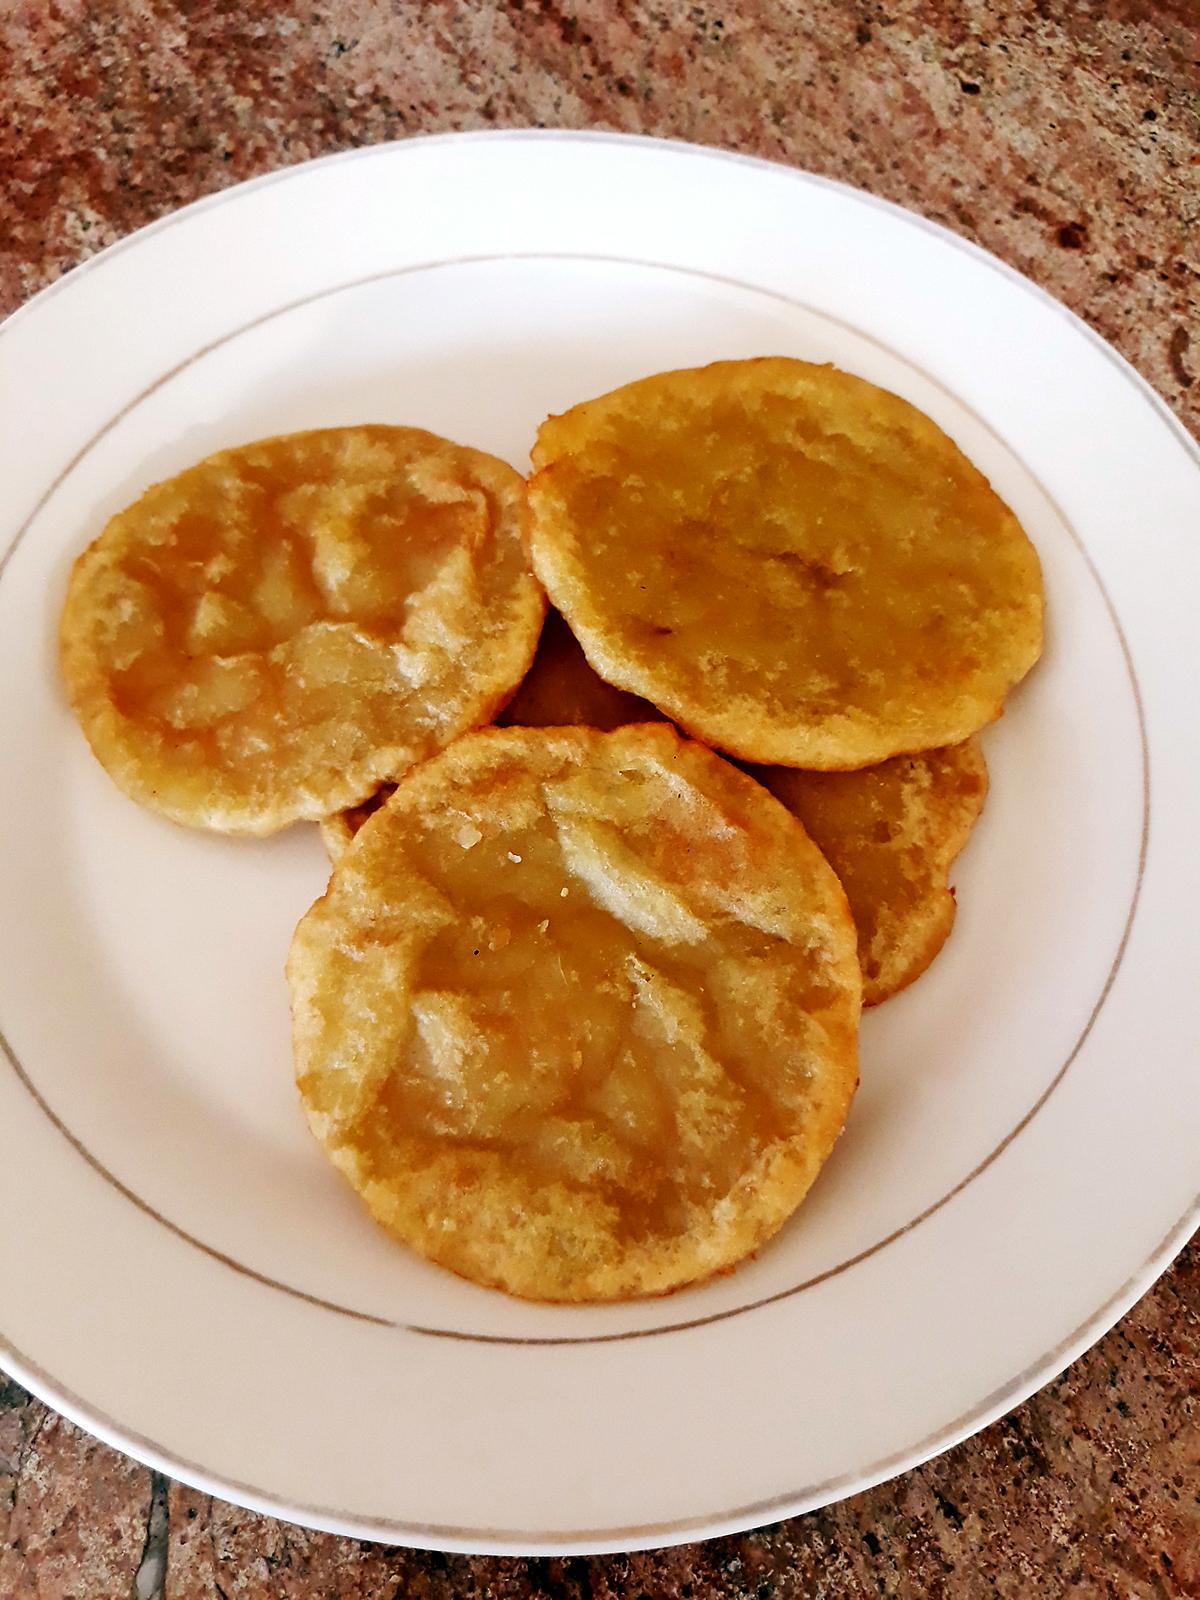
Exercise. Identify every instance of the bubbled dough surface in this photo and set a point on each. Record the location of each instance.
(268, 635)
(795, 565)
(891, 833)
(578, 1013)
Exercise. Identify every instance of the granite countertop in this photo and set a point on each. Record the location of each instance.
(1063, 136)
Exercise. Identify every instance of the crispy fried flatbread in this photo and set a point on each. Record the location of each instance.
(891, 833)
(577, 1016)
(268, 635)
(796, 566)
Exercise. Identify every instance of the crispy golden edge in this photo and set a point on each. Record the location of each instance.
(764, 1199)
(901, 964)
(841, 743)
(337, 832)
(902, 949)
(767, 1194)
(89, 693)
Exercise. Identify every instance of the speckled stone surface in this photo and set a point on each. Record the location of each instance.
(1062, 134)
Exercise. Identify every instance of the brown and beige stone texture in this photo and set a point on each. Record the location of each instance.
(1062, 134)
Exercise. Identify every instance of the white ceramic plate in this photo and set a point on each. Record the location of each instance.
(180, 1269)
